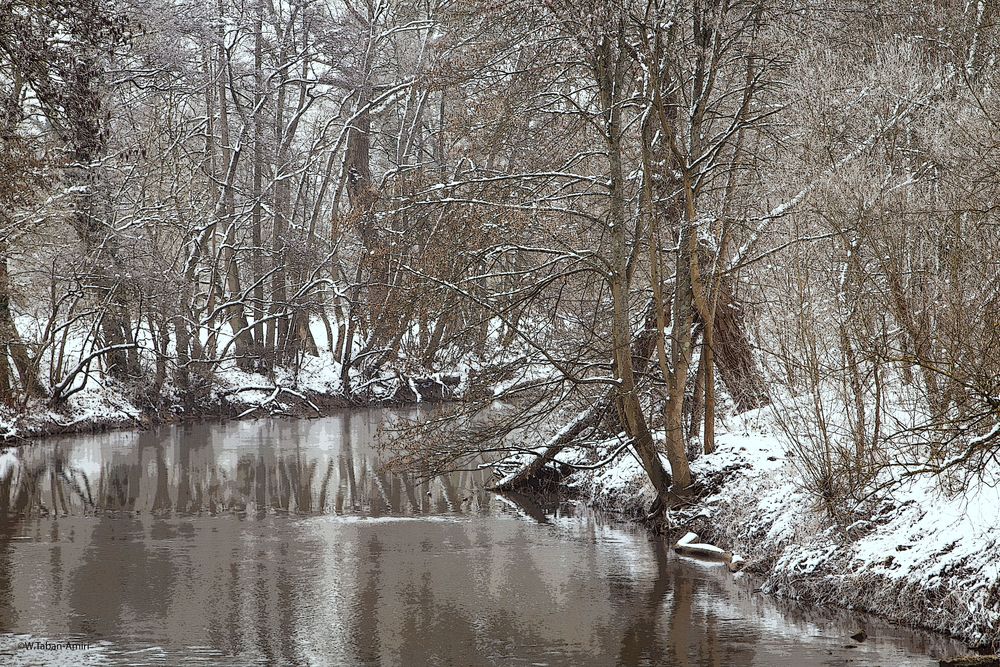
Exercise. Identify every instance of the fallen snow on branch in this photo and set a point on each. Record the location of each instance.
(687, 544)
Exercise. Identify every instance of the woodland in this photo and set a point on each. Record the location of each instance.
(633, 218)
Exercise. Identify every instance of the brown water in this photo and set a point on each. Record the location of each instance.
(280, 542)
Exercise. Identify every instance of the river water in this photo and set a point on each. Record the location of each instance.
(281, 542)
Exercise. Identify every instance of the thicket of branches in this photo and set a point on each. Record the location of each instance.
(644, 213)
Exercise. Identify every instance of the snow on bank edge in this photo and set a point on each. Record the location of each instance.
(103, 403)
(919, 557)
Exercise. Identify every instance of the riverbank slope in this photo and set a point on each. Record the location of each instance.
(312, 389)
(916, 556)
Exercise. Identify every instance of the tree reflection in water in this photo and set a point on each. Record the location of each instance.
(285, 469)
(282, 542)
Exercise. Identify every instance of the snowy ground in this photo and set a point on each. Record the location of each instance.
(919, 556)
(103, 403)
(99, 402)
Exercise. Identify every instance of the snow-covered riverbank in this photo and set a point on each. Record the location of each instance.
(918, 556)
(313, 388)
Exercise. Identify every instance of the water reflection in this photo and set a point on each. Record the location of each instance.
(304, 466)
(282, 543)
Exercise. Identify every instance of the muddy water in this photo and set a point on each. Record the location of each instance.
(280, 542)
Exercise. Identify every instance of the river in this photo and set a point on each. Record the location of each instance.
(281, 542)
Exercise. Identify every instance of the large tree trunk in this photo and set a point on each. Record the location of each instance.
(262, 359)
(733, 354)
(587, 419)
(226, 212)
(610, 75)
(11, 344)
(680, 348)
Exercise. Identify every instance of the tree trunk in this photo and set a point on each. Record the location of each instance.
(709, 381)
(262, 359)
(680, 346)
(11, 344)
(733, 354)
(227, 212)
(610, 74)
(587, 419)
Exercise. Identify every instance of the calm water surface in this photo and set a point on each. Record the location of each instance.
(280, 542)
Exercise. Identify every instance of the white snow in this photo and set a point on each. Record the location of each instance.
(919, 555)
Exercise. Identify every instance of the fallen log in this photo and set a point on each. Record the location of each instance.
(689, 546)
(643, 348)
(567, 434)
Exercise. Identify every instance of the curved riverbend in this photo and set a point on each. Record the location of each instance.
(280, 541)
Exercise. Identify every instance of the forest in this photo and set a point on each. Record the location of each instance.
(730, 266)
(628, 219)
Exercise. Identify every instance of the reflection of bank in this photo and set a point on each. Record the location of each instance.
(681, 618)
(8, 611)
(9, 464)
(292, 585)
(285, 466)
(107, 536)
